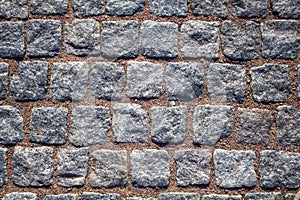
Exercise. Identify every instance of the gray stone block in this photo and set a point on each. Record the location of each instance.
(210, 8)
(32, 167)
(20, 195)
(48, 7)
(298, 82)
(119, 39)
(263, 196)
(61, 197)
(249, 8)
(4, 72)
(48, 125)
(234, 169)
(166, 8)
(98, 196)
(179, 196)
(14, 9)
(88, 8)
(270, 83)
(286, 9)
(290, 196)
(3, 167)
(150, 168)
(140, 198)
(221, 197)
(124, 7)
(159, 39)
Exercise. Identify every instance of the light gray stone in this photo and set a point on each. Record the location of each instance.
(88, 8)
(249, 8)
(62, 197)
(263, 196)
(3, 167)
(290, 196)
(210, 8)
(14, 9)
(286, 9)
(48, 7)
(98, 196)
(20, 195)
(179, 196)
(124, 7)
(4, 71)
(298, 82)
(167, 8)
(140, 198)
(221, 197)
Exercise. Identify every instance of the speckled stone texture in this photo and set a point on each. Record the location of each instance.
(179, 196)
(286, 9)
(263, 195)
(210, 8)
(14, 9)
(167, 8)
(48, 7)
(124, 7)
(4, 71)
(62, 197)
(97, 196)
(221, 197)
(249, 8)
(87, 8)
(20, 195)
(3, 167)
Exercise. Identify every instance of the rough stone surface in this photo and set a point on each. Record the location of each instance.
(44, 38)
(298, 82)
(14, 9)
(270, 83)
(69, 81)
(144, 80)
(221, 197)
(290, 197)
(32, 167)
(210, 8)
(286, 9)
(4, 71)
(279, 169)
(166, 8)
(159, 39)
(168, 125)
(124, 7)
(20, 195)
(12, 39)
(72, 167)
(130, 123)
(179, 196)
(3, 167)
(62, 197)
(200, 39)
(11, 125)
(119, 39)
(193, 167)
(48, 7)
(82, 37)
(107, 81)
(226, 83)
(234, 169)
(48, 125)
(253, 126)
(150, 168)
(87, 8)
(140, 198)
(264, 196)
(249, 8)
(89, 125)
(240, 42)
(98, 196)
(108, 169)
(212, 123)
(280, 39)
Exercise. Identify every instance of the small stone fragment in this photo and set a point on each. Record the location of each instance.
(263, 196)
(88, 8)
(124, 7)
(221, 197)
(179, 196)
(14, 9)
(286, 9)
(3, 168)
(48, 7)
(20, 195)
(166, 8)
(4, 71)
(98, 196)
(249, 8)
(210, 8)
(62, 197)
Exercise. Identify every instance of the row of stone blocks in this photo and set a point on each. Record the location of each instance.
(126, 39)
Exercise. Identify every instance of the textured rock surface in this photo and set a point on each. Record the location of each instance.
(124, 7)
(140, 198)
(97, 196)
(221, 197)
(289, 196)
(3, 167)
(62, 197)
(87, 8)
(210, 8)
(179, 196)
(249, 8)
(286, 9)
(48, 7)
(20, 195)
(4, 71)
(167, 8)
(263, 195)
(14, 9)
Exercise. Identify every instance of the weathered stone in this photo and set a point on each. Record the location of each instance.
(98, 196)
(263, 196)
(166, 8)
(144, 80)
(124, 7)
(184, 81)
(12, 39)
(119, 39)
(48, 125)
(210, 8)
(107, 81)
(179, 196)
(108, 169)
(290, 196)
(89, 125)
(280, 39)
(253, 126)
(234, 169)
(72, 167)
(270, 83)
(286, 9)
(221, 197)
(11, 125)
(298, 81)
(44, 38)
(20, 195)
(48, 7)
(150, 168)
(140, 198)
(3, 168)
(159, 39)
(200, 39)
(4, 71)
(14, 9)
(279, 169)
(249, 8)
(62, 197)
(82, 37)
(69, 81)
(32, 167)
(87, 8)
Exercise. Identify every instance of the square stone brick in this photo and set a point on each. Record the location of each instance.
(14, 9)
(107, 81)
(3, 168)
(270, 83)
(82, 37)
(159, 39)
(4, 71)
(20, 195)
(11, 125)
(150, 168)
(48, 7)
(199, 39)
(193, 167)
(12, 40)
(119, 39)
(280, 39)
(166, 8)
(144, 80)
(48, 125)
(108, 169)
(286, 9)
(32, 167)
(234, 169)
(89, 125)
(140, 198)
(240, 42)
(130, 123)
(98, 196)
(168, 125)
(263, 196)
(124, 7)
(88, 8)
(184, 81)
(210, 8)
(179, 196)
(69, 81)
(249, 8)
(62, 197)
(221, 197)
(212, 123)
(226, 83)
(44, 38)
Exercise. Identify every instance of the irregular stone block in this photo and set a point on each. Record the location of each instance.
(210, 8)
(286, 9)
(62, 197)
(48, 7)
(124, 7)
(14, 9)
(179, 196)
(221, 197)
(249, 8)
(98, 196)
(3, 168)
(166, 8)
(4, 71)
(20, 195)
(263, 196)
(88, 8)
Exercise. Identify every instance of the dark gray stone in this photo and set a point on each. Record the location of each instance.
(11, 125)
(179, 196)
(150, 168)
(270, 83)
(212, 123)
(124, 7)
(98, 196)
(32, 167)
(249, 8)
(3, 168)
(119, 39)
(12, 39)
(286, 9)
(87, 8)
(159, 39)
(69, 81)
(82, 37)
(221, 197)
(167, 8)
(234, 169)
(4, 71)
(14, 9)
(89, 125)
(210, 8)
(48, 125)
(140, 198)
(144, 80)
(48, 7)
(280, 39)
(108, 169)
(263, 196)
(20, 195)
(107, 81)
(44, 38)
(62, 197)
(290, 196)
